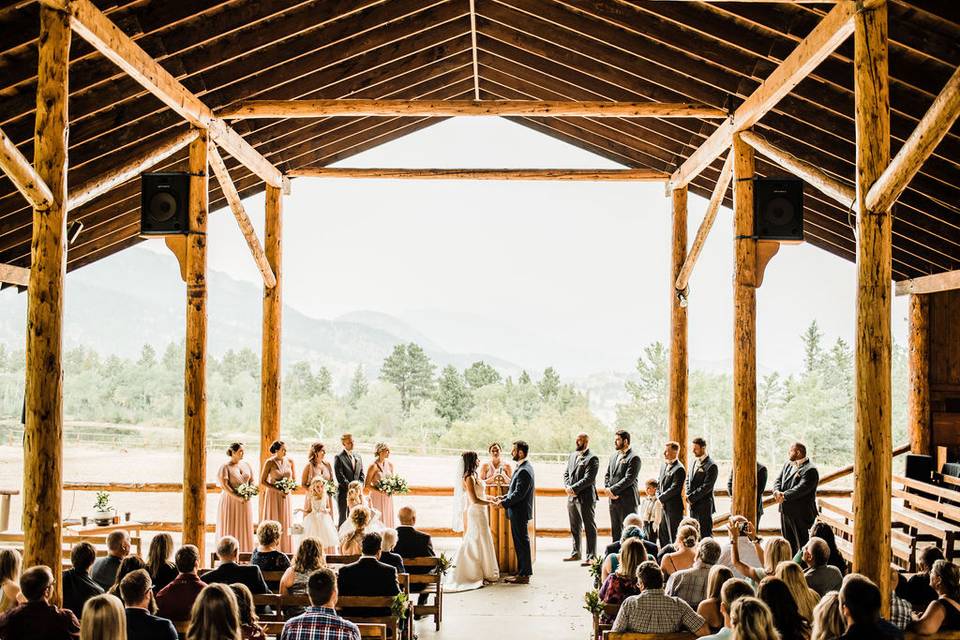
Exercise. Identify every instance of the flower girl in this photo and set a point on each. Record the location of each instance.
(318, 515)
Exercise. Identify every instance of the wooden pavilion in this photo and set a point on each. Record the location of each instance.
(857, 97)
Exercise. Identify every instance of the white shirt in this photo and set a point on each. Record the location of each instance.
(748, 555)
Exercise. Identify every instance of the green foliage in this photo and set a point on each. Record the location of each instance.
(358, 387)
(480, 374)
(453, 397)
(409, 369)
(550, 384)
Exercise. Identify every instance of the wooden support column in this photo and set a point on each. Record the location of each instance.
(744, 335)
(272, 318)
(677, 410)
(873, 449)
(918, 402)
(195, 371)
(43, 431)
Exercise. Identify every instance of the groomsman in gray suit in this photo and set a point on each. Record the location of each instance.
(347, 467)
(670, 492)
(621, 483)
(579, 481)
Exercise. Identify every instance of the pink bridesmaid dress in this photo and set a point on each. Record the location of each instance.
(235, 517)
(275, 504)
(379, 500)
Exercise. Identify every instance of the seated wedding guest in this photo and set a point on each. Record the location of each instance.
(748, 546)
(691, 584)
(632, 520)
(351, 541)
(127, 565)
(686, 553)
(78, 586)
(611, 562)
(103, 619)
(943, 614)
(828, 622)
(320, 621)
(709, 608)
(10, 563)
(901, 611)
(368, 577)
(732, 590)
(860, 606)
(229, 571)
(916, 589)
(622, 584)
(650, 511)
(214, 614)
(805, 597)
(821, 576)
(249, 622)
(37, 618)
(652, 611)
(825, 532)
(104, 571)
(309, 558)
(752, 620)
(175, 600)
(774, 551)
(137, 591)
(667, 547)
(162, 572)
(786, 615)
(387, 556)
(266, 555)
(413, 544)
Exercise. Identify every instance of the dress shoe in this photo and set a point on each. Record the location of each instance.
(518, 580)
(587, 562)
(573, 557)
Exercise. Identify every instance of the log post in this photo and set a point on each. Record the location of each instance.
(677, 409)
(272, 318)
(43, 429)
(744, 335)
(918, 402)
(195, 371)
(873, 449)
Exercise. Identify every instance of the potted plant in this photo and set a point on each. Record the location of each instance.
(102, 511)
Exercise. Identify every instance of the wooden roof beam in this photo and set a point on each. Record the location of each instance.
(842, 193)
(243, 220)
(946, 281)
(105, 36)
(932, 128)
(473, 47)
(10, 274)
(24, 177)
(716, 199)
(627, 175)
(452, 108)
(835, 27)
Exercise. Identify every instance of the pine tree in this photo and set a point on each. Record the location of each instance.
(323, 382)
(453, 398)
(148, 356)
(480, 374)
(524, 378)
(358, 387)
(812, 347)
(409, 369)
(550, 384)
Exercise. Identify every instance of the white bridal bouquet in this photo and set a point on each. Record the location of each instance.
(286, 485)
(247, 490)
(392, 485)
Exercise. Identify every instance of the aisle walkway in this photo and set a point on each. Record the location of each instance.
(549, 608)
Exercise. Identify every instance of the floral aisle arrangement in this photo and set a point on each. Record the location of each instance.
(596, 570)
(592, 602)
(330, 487)
(286, 485)
(392, 485)
(247, 490)
(444, 564)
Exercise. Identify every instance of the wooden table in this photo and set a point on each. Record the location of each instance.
(95, 530)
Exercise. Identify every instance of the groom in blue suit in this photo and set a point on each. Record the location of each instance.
(519, 505)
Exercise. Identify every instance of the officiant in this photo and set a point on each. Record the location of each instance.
(579, 481)
(347, 467)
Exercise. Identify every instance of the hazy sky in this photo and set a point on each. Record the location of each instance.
(570, 274)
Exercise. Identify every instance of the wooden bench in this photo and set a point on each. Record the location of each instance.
(433, 584)
(627, 635)
(600, 627)
(244, 557)
(903, 546)
(929, 510)
(99, 543)
(372, 631)
(943, 635)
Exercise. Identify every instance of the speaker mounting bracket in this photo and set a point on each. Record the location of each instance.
(766, 249)
(178, 247)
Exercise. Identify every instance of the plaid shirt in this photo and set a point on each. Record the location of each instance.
(900, 611)
(319, 623)
(690, 584)
(655, 612)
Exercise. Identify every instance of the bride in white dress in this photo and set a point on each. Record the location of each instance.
(476, 561)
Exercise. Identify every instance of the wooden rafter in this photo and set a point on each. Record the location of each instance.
(627, 175)
(934, 125)
(930, 284)
(243, 220)
(97, 29)
(23, 175)
(473, 49)
(451, 108)
(716, 199)
(11, 274)
(835, 27)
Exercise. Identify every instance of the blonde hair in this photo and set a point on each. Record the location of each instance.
(828, 622)
(359, 518)
(751, 620)
(632, 555)
(687, 537)
(718, 576)
(268, 533)
(805, 597)
(318, 480)
(161, 548)
(775, 551)
(215, 615)
(380, 446)
(10, 564)
(309, 556)
(103, 618)
(354, 493)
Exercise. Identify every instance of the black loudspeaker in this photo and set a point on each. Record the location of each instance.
(778, 209)
(919, 467)
(164, 204)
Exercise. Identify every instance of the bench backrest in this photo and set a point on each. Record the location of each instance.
(623, 635)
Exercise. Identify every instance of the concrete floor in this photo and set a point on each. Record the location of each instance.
(549, 608)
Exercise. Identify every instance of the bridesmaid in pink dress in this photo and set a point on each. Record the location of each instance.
(235, 517)
(316, 465)
(275, 504)
(378, 500)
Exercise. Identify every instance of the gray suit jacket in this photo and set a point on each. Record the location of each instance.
(621, 479)
(581, 475)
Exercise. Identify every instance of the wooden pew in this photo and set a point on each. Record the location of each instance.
(15, 541)
(600, 627)
(371, 631)
(623, 635)
(903, 546)
(931, 512)
(392, 623)
(433, 585)
(943, 635)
